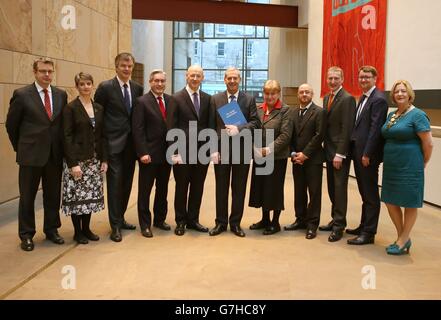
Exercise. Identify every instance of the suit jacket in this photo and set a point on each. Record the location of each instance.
(279, 120)
(149, 129)
(180, 113)
(117, 120)
(366, 133)
(340, 120)
(32, 134)
(309, 133)
(81, 139)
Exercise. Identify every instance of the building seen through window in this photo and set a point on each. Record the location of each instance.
(216, 47)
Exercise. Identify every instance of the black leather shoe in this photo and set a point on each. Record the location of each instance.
(128, 226)
(147, 232)
(237, 230)
(271, 230)
(55, 238)
(80, 238)
(335, 236)
(90, 235)
(259, 225)
(355, 232)
(297, 225)
(162, 225)
(310, 234)
(116, 235)
(327, 227)
(27, 245)
(180, 229)
(362, 239)
(197, 226)
(218, 229)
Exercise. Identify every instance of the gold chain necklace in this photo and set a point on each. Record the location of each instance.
(394, 119)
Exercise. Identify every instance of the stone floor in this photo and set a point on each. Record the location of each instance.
(196, 266)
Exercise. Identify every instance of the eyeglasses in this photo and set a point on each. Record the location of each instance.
(46, 71)
(159, 81)
(365, 77)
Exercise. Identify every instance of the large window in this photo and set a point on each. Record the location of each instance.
(216, 47)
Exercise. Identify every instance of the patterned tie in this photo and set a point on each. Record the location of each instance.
(126, 98)
(47, 103)
(196, 103)
(331, 99)
(360, 106)
(232, 98)
(162, 108)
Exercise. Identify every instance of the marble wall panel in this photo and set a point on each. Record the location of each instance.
(125, 12)
(66, 72)
(16, 33)
(6, 71)
(39, 40)
(124, 38)
(22, 68)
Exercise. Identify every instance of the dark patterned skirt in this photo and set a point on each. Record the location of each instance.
(83, 196)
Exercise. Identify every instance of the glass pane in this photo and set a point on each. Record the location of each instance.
(196, 30)
(175, 29)
(266, 32)
(179, 80)
(229, 31)
(219, 54)
(260, 32)
(258, 1)
(254, 83)
(185, 30)
(214, 81)
(259, 54)
(209, 30)
(184, 55)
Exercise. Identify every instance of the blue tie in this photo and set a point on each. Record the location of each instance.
(232, 98)
(196, 102)
(126, 98)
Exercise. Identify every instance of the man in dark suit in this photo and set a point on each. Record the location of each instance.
(340, 107)
(192, 104)
(34, 128)
(117, 96)
(367, 153)
(307, 157)
(149, 134)
(224, 168)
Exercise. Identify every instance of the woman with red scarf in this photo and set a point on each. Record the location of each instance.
(267, 190)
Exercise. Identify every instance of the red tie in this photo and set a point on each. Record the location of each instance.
(162, 107)
(47, 103)
(331, 98)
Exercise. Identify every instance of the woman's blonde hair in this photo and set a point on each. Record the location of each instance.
(408, 87)
(271, 85)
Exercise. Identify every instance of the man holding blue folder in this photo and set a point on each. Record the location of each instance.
(225, 171)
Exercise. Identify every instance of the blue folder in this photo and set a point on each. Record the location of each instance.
(231, 114)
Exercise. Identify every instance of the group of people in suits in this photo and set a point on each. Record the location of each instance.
(122, 126)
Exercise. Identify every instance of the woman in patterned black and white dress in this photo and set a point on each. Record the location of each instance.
(85, 159)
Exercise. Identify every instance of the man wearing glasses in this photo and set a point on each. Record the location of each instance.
(34, 128)
(367, 153)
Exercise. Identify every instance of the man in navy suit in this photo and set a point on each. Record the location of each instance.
(34, 128)
(192, 104)
(367, 153)
(117, 96)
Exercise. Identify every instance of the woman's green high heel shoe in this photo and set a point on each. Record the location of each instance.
(397, 251)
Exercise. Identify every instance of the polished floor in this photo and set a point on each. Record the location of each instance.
(196, 266)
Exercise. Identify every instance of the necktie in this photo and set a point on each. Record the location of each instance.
(360, 106)
(232, 98)
(302, 113)
(47, 103)
(162, 108)
(196, 102)
(331, 99)
(126, 98)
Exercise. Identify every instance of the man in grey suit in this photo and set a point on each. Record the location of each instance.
(117, 96)
(223, 167)
(340, 106)
(192, 104)
(307, 157)
(34, 128)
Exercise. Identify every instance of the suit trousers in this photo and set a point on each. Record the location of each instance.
(28, 181)
(190, 179)
(367, 181)
(121, 167)
(338, 192)
(239, 175)
(149, 174)
(308, 179)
